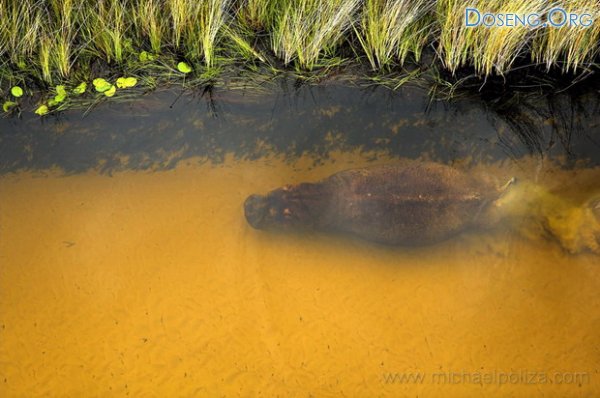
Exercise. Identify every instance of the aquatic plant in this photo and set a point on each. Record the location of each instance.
(7, 106)
(42, 110)
(126, 82)
(80, 89)
(184, 67)
(16, 91)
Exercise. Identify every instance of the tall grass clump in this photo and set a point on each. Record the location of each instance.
(569, 48)
(105, 30)
(304, 31)
(149, 25)
(391, 29)
(39, 37)
(497, 49)
(62, 21)
(258, 15)
(241, 42)
(195, 27)
(211, 18)
(20, 24)
(488, 50)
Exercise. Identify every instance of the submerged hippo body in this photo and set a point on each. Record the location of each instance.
(412, 203)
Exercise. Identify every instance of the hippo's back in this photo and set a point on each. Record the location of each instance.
(411, 203)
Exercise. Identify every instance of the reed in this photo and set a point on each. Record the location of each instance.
(104, 30)
(304, 31)
(570, 48)
(211, 18)
(258, 15)
(148, 24)
(391, 29)
(488, 50)
(20, 26)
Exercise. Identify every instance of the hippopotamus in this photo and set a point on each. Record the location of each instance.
(410, 203)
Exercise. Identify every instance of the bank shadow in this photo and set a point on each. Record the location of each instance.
(289, 120)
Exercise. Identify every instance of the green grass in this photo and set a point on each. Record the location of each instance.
(487, 50)
(577, 48)
(390, 30)
(48, 42)
(307, 31)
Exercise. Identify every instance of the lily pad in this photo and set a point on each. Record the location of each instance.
(42, 110)
(126, 82)
(145, 56)
(184, 67)
(8, 105)
(111, 91)
(61, 94)
(80, 89)
(16, 91)
(102, 85)
(59, 98)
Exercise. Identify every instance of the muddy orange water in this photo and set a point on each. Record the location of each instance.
(151, 284)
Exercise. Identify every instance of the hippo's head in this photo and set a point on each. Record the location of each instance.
(292, 206)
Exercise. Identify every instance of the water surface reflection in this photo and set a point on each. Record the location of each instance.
(287, 121)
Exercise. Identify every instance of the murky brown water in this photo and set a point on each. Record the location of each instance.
(152, 284)
(127, 267)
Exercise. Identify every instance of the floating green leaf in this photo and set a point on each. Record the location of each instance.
(61, 94)
(101, 85)
(126, 82)
(8, 105)
(145, 56)
(183, 67)
(60, 90)
(111, 91)
(16, 91)
(42, 110)
(80, 89)
(59, 98)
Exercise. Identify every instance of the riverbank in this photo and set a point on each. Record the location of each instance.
(57, 51)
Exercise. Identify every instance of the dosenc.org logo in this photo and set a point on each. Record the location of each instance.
(555, 18)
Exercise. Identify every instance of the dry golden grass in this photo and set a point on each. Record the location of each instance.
(50, 39)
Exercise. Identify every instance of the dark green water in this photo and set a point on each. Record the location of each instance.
(159, 129)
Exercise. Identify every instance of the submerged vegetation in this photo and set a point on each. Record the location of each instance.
(50, 43)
